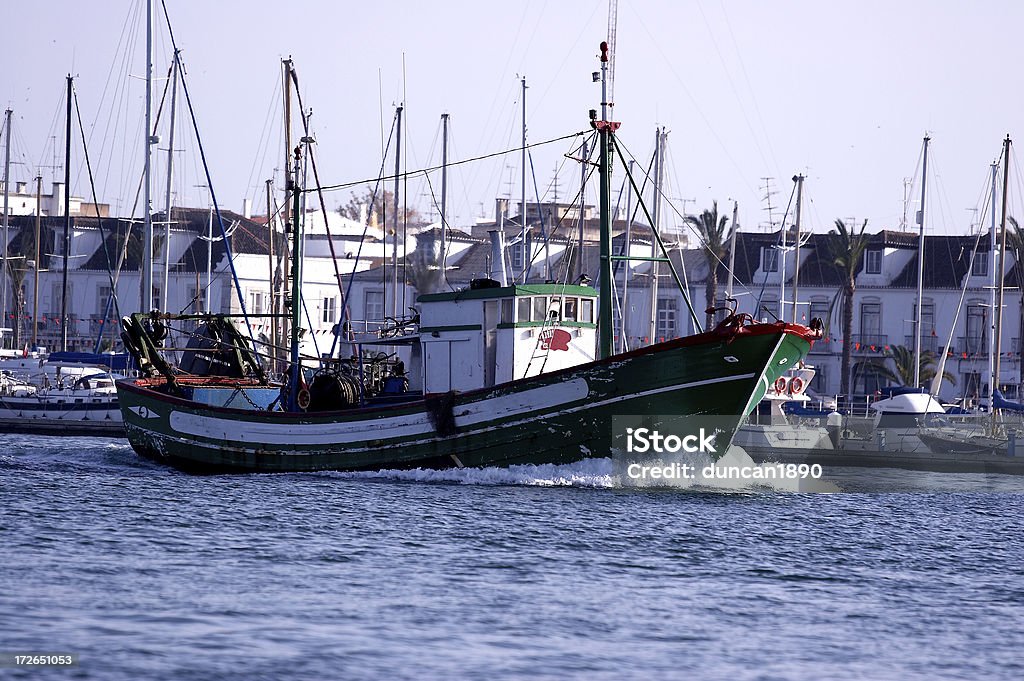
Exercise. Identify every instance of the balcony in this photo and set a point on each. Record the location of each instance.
(972, 345)
(870, 344)
(928, 343)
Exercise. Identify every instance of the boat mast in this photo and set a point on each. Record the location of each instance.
(7, 196)
(271, 236)
(522, 217)
(286, 68)
(35, 270)
(732, 250)
(578, 275)
(444, 191)
(920, 267)
(626, 252)
(992, 288)
(606, 131)
(209, 260)
(170, 175)
(147, 202)
(296, 297)
(394, 213)
(799, 179)
(1002, 279)
(67, 224)
(659, 158)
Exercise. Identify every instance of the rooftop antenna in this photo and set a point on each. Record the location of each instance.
(767, 198)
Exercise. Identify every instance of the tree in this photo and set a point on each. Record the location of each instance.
(846, 248)
(902, 370)
(383, 205)
(712, 230)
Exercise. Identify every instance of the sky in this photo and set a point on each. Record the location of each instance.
(841, 92)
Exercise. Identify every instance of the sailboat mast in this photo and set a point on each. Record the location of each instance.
(1002, 266)
(444, 191)
(522, 212)
(394, 213)
(289, 185)
(659, 157)
(147, 202)
(605, 130)
(271, 237)
(920, 267)
(994, 280)
(625, 265)
(170, 176)
(7, 196)
(67, 224)
(799, 179)
(35, 270)
(296, 298)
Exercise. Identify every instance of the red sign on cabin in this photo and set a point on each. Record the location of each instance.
(555, 339)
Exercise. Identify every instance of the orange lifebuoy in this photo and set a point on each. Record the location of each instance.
(780, 384)
(796, 385)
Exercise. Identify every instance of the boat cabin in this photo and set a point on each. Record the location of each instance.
(492, 334)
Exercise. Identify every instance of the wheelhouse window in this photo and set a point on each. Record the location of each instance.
(540, 308)
(523, 309)
(587, 310)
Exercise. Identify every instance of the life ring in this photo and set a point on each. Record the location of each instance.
(302, 399)
(796, 385)
(780, 385)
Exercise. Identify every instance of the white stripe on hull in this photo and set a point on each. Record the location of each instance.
(380, 431)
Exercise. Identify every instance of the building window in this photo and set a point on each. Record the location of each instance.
(373, 305)
(157, 299)
(256, 302)
(769, 259)
(873, 261)
(870, 320)
(102, 300)
(977, 315)
(819, 310)
(819, 383)
(979, 268)
(666, 328)
(330, 310)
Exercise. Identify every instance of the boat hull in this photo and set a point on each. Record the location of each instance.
(556, 418)
(61, 415)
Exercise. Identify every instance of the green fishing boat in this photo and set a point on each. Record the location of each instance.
(498, 375)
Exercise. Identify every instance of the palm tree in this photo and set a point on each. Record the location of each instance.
(846, 248)
(713, 235)
(902, 370)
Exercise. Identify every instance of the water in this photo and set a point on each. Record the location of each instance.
(534, 573)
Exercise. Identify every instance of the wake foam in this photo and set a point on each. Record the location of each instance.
(606, 473)
(595, 473)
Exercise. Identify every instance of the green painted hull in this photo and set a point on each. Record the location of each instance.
(555, 418)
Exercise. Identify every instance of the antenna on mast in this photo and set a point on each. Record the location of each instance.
(613, 23)
(767, 198)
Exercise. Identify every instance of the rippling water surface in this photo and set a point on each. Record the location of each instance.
(532, 573)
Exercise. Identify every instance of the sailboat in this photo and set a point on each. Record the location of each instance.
(480, 399)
